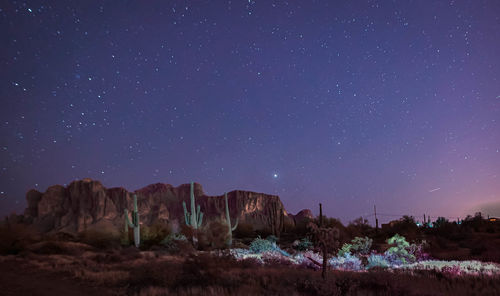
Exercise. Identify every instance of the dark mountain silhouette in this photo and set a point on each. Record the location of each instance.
(87, 204)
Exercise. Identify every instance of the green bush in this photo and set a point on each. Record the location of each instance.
(358, 246)
(399, 253)
(260, 245)
(303, 245)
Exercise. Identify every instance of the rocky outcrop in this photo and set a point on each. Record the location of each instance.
(302, 216)
(87, 204)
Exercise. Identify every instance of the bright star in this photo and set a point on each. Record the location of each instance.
(275, 175)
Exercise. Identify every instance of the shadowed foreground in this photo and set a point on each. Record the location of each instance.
(22, 278)
(152, 273)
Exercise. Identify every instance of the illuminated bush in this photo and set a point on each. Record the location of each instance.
(260, 245)
(346, 262)
(399, 253)
(375, 260)
(302, 245)
(358, 246)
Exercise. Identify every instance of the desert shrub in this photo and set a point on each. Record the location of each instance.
(173, 237)
(303, 245)
(277, 258)
(346, 262)
(358, 246)
(457, 267)
(300, 229)
(308, 259)
(154, 234)
(176, 243)
(418, 250)
(359, 227)
(399, 253)
(15, 237)
(346, 249)
(187, 231)
(100, 239)
(375, 260)
(217, 234)
(260, 245)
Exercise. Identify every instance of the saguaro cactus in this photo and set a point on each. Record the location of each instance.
(228, 221)
(134, 224)
(194, 218)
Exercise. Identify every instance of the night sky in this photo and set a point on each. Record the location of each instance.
(348, 103)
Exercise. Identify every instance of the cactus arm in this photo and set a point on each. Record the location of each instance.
(198, 216)
(127, 221)
(230, 228)
(227, 210)
(235, 225)
(186, 214)
(200, 219)
(135, 203)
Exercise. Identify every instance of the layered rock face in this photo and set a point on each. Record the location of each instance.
(87, 204)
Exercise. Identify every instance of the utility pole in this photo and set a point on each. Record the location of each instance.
(376, 219)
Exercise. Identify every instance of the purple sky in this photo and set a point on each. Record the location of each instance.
(348, 103)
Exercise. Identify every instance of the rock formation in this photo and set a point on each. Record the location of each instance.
(301, 216)
(87, 204)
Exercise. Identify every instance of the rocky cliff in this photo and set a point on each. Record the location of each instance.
(87, 204)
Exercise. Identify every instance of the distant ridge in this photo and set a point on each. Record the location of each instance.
(87, 204)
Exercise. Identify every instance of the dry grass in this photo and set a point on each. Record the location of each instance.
(105, 278)
(146, 273)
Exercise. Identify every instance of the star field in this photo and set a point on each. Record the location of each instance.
(348, 103)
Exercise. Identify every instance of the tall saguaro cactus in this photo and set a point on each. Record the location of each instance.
(194, 218)
(134, 224)
(228, 221)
